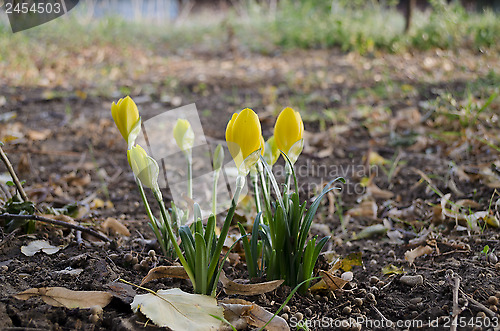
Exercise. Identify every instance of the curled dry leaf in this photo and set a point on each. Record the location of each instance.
(62, 297)
(371, 231)
(179, 310)
(113, 225)
(165, 272)
(254, 314)
(231, 287)
(330, 281)
(377, 193)
(366, 209)
(411, 255)
(39, 246)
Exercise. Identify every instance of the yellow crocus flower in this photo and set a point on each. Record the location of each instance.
(288, 132)
(244, 138)
(184, 135)
(127, 119)
(144, 167)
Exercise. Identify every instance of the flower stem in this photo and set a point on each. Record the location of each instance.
(173, 239)
(151, 217)
(256, 192)
(190, 176)
(214, 192)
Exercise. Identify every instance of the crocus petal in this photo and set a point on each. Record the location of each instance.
(288, 129)
(243, 135)
(126, 116)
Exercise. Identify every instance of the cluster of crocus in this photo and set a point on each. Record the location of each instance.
(279, 245)
(200, 248)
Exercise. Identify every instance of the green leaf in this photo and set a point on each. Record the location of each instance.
(200, 264)
(188, 244)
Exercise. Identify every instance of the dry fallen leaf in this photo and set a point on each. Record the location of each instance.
(231, 287)
(366, 209)
(254, 314)
(38, 135)
(179, 310)
(411, 255)
(39, 246)
(165, 272)
(62, 297)
(115, 226)
(331, 282)
(371, 231)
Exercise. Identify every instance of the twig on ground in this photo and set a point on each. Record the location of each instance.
(479, 305)
(456, 308)
(79, 239)
(388, 321)
(56, 222)
(8, 237)
(12, 173)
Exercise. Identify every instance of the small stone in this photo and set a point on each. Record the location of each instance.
(299, 316)
(347, 310)
(497, 266)
(494, 309)
(136, 267)
(134, 260)
(370, 297)
(128, 257)
(96, 310)
(317, 297)
(148, 259)
(391, 253)
(497, 294)
(151, 253)
(355, 326)
(308, 311)
(416, 300)
(374, 280)
(412, 280)
(5, 268)
(286, 309)
(144, 264)
(284, 316)
(492, 258)
(358, 302)
(493, 300)
(481, 314)
(344, 325)
(94, 318)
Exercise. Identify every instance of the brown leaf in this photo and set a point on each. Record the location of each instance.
(378, 193)
(231, 287)
(62, 297)
(122, 291)
(366, 208)
(254, 314)
(411, 255)
(115, 226)
(38, 135)
(165, 272)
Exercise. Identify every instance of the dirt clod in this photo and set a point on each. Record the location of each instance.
(412, 280)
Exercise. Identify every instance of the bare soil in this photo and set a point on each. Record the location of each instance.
(68, 150)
